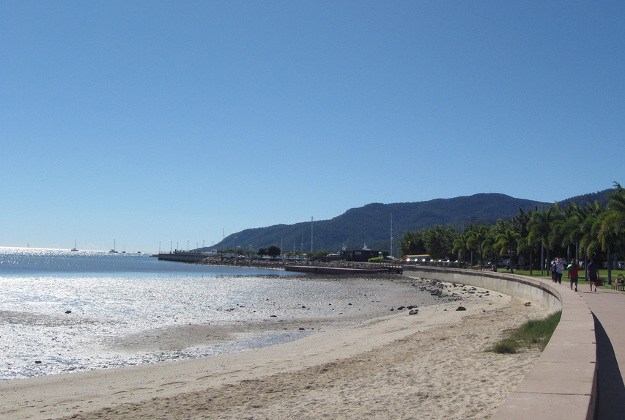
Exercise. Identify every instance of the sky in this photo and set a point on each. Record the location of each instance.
(156, 124)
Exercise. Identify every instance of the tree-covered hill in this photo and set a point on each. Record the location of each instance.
(371, 224)
(583, 200)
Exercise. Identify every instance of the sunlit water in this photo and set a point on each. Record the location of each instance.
(60, 310)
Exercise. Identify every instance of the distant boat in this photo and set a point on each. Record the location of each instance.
(74, 248)
(113, 251)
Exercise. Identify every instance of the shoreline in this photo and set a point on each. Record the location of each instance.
(328, 302)
(261, 383)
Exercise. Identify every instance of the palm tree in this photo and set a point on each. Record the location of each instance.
(507, 242)
(475, 242)
(539, 227)
(612, 231)
(461, 246)
(572, 229)
(614, 220)
(488, 247)
(525, 245)
(590, 228)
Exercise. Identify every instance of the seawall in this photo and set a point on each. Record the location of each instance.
(187, 257)
(563, 382)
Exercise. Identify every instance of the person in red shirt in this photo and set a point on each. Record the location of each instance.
(573, 276)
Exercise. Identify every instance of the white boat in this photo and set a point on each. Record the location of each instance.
(74, 249)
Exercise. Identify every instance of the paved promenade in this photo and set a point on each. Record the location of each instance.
(608, 307)
(578, 376)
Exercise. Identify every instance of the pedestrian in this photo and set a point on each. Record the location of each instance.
(559, 270)
(553, 272)
(592, 274)
(573, 273)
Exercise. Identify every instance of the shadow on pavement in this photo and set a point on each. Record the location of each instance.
(610, 387)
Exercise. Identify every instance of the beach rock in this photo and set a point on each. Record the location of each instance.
(68, 312)
(528, 303)
(413, 312)
(461, 308)
(273, 316)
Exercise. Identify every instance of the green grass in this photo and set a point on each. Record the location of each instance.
(535, 333)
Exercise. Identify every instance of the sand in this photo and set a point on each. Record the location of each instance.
(432, 365)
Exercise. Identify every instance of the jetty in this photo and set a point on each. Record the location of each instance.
(183, 256)
(315, 269)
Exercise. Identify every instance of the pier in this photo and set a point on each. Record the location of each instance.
(182, 256)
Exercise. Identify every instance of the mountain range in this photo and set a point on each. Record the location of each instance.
(374, 224)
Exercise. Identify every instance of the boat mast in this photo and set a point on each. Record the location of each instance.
(311, 234)
(391, 234)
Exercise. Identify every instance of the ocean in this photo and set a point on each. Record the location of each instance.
(64, 311)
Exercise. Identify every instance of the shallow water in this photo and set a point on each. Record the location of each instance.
(63, 311)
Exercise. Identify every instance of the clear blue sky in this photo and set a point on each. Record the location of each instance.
(148, 121)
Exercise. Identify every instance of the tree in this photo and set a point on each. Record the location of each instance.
(273, 251)
(613, 224)
(589, 243)
(439, 241)
(461, 247)
(539, 227)
(612, 231)
(262, 252)
(411, 243)
(572, 231)
(507, 242)
(526, 246)
(476, 241)
(488, 247)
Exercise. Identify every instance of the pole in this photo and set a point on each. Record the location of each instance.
(542, 258)
(311, 235)
(391, 235)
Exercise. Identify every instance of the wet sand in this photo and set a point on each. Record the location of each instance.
(431, 365)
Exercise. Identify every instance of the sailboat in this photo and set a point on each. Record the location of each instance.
(74, 249)
(113, 251)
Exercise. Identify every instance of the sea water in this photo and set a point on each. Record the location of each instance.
(61, 310)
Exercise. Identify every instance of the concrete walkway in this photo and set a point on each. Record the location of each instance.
(579, 374)
(608, 308)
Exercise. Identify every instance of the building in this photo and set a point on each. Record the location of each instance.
(360, 255)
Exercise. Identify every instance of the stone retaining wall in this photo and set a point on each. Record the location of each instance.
(563, 382)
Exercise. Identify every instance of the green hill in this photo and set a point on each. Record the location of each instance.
(371, 224)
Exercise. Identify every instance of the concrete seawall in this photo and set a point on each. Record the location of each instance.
(563, 383)
(186, 257)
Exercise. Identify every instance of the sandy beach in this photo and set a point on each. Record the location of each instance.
(432, 365)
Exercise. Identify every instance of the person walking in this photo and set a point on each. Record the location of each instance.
(559, 270)
(592, 274)
(573, 269)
